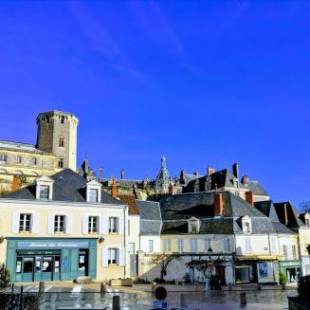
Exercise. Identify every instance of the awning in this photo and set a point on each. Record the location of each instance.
(257, 257)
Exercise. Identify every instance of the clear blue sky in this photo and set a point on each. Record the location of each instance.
(203, 82)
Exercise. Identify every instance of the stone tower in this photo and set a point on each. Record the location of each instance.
(57, 134)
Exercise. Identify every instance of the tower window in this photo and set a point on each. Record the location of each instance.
(18, 159)
(60, 163)
(61, 142)
(34, 161)
(62, 119)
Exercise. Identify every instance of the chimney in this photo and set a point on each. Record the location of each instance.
(235, 169)
(114, 192)
(210, 170)
(16, 183)
(218, 204)
(249, 198)
(285, 211)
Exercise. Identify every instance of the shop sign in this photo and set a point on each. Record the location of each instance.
(51, 244)
(289, 264)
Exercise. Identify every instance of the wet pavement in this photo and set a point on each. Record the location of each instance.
(87, 297)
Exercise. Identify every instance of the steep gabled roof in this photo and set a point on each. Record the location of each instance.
(150, 217)
(68, 186)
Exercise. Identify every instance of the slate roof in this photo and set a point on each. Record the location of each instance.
(150, 217)
(20, 146)
(293, 216)
(220, 179)
(177, 209)
(67, 186)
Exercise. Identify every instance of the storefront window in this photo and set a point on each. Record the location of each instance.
(28, 264)
(47, 264)
(242, 274)
(265, 271)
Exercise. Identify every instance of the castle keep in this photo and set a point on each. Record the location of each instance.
(56, 148)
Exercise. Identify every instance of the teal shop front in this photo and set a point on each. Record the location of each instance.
(51, 259)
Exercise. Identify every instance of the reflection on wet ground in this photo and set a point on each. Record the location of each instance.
(81, 298)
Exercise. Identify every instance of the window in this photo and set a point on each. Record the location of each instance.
(113, 225)
(19, 159)
(308, 222)
(194, 245)
(34, 161)
(226, 245)
(62, 120)
(112, 256)
(93, 195)
(92, 224)
(246, 225)
(60, 163)
(25, 222)
(44, 192)
(180, 246)
(193, 226)
(61, 142)
(208, 245)
(151, 246)
(285, 251)
(294, 252)
(248, 246)
(3, 157)
(59, 223)
(167, 245)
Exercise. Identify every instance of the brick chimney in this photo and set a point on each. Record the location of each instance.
(114, 191)
(16, 183)
(249, 198)
(218, 204)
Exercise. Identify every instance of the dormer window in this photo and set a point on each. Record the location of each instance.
(93, 191)
(193, 225)
(246, 225)
(44, 188)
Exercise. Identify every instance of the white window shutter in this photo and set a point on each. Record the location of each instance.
(105, 257)
(35, 223)
(85, 225)
(104, 226)
(68, 224)
(120, 225)
(121, 257)
(15, 222)
(50, 224)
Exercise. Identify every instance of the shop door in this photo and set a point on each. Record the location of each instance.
(83, 263)
(220, 272)
(27, 275)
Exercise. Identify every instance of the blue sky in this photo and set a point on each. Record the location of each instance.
(203, 82)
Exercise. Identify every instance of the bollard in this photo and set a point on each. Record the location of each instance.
(21, 298)
(243, 301)
(41, 288)
(116, 303)
(183, 301)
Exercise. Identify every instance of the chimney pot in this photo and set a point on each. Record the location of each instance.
(114, 191)
(16, 183)
(285, 214)
(218, 204)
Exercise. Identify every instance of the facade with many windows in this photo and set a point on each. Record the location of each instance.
(54, 231)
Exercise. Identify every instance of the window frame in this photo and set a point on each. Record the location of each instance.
(24, 224)
(92, 222)
(59, 223)
(113, 225)
(115, 256)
